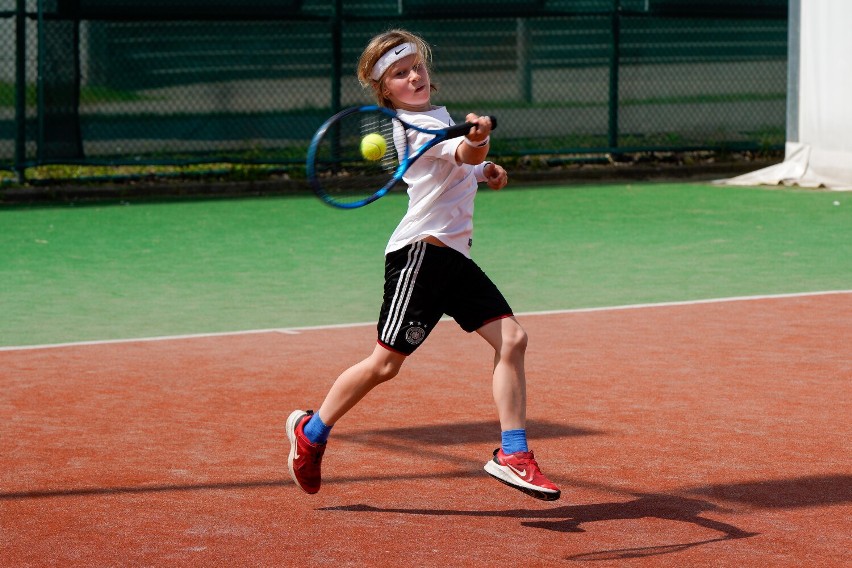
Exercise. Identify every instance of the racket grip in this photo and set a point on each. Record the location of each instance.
(461, 129)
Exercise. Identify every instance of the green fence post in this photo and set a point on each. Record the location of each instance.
(524, 61)
(20, 89)
(613, 73)
(40, 66)
(337, 55)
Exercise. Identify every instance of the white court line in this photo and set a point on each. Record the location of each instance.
(298, 330)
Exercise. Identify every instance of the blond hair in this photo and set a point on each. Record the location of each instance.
(380, 45)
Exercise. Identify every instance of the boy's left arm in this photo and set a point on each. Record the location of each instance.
(492, 174)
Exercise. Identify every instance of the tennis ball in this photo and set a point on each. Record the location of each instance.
(373, 146)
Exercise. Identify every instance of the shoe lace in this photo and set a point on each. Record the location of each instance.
(527, 461)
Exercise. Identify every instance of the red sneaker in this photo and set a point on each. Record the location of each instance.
(305, 457)
(520, 470)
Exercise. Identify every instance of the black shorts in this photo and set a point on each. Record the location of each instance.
(422, 283)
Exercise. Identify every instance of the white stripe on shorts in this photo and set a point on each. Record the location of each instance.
(402, 295)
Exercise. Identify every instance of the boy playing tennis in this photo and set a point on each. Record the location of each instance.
(429, 273)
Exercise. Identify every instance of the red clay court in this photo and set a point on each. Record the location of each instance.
(704, 434)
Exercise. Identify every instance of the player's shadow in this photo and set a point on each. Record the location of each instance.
(805, 491)
(454, 433)
(574, 518)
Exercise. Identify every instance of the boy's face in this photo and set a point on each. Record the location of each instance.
(406, 84)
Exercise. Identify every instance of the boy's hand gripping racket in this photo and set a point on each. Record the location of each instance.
(353, 161)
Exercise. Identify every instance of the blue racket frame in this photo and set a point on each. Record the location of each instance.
(405, 161)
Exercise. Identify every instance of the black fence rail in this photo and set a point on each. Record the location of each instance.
(186, 81)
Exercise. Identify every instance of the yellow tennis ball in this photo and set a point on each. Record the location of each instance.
(373, 146)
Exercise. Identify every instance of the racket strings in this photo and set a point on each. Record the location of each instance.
(381, 125)
(343, 171)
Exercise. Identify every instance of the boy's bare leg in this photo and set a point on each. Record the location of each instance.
(355, 382)
(305, 459)
(509, 341)
(517, 469)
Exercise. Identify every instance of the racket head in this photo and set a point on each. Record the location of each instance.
(338, 172)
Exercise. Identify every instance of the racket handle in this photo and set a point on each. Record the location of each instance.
(461, 129)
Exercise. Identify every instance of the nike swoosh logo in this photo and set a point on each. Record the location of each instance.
(296, 442)
(521, 473)
(398, 51)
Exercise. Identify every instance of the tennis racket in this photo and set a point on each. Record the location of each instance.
(339, 172)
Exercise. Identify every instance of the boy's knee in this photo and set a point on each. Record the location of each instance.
(520, 340)
(386, 372)
(385, 366)
(515, 340)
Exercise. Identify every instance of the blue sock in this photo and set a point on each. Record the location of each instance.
(514, 441)
(316, 430)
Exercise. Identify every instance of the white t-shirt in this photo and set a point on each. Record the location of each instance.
(440, 191)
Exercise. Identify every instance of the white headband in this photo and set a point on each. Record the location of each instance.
(390, 57)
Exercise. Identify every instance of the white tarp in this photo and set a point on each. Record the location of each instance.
(818, 152)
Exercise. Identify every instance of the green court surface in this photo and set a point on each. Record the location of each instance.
(118, 271)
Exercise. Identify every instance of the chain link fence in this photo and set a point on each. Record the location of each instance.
(186, 81)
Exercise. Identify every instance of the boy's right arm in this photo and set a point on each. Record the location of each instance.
(474, 147)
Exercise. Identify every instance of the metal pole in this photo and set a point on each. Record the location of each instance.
(793, 48)
(337, 55)
(613, 73)
(40, 66)
(524, 60)
(336, 72)
(20, 89)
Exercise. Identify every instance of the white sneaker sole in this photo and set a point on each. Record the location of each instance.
(504, 475)
(290, 427)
